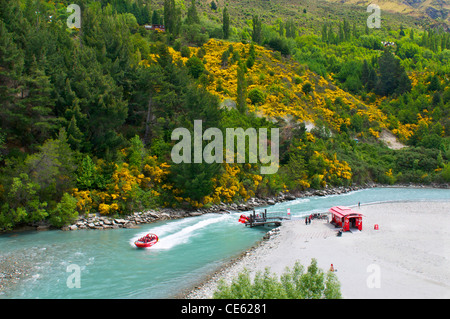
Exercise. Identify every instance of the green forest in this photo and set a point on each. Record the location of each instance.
(87, 113)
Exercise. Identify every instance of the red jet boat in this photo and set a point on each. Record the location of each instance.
(147, 241)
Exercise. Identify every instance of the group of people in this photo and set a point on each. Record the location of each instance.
(315, 215)
(148, 238)
(308, 219)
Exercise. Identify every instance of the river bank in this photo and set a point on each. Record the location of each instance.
(99, 222)
(96, 221)
(407, 257)
(33, 264)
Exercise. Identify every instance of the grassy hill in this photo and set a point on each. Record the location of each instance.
(434, 9)
(310, 14)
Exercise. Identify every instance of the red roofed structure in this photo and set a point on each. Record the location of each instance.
(345, 217)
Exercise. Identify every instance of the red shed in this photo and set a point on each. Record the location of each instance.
(345, 217)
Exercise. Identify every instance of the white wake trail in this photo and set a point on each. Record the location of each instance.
(183, 236)
(176, 233)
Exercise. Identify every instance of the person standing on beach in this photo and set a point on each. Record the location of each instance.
(359, 204)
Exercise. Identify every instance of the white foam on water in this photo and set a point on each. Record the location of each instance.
(297, 201)
(163, 229)
(185, 234)
(177, 232)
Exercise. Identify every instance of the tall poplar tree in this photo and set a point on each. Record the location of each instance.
(226, 24)
(192, 15)
(171, 17)
(257, 30)
(241, 88)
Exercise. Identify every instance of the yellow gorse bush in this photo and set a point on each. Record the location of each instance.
(281, 82)
(121, 191)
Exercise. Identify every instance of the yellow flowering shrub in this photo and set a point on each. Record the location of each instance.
(237, 182)
(128, 187)
(281, 82)
(333, 169)
(84, 200)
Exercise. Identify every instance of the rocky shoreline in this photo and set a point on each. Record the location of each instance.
(98, 222)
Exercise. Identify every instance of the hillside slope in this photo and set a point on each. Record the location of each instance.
(307, 14)
(280, 81)
(434, 9)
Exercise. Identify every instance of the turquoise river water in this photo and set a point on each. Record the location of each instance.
(109, 266)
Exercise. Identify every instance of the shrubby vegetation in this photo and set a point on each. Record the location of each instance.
(87, 115)
(294, 283)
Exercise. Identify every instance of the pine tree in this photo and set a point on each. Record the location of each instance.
(365, 72)
(38, 104)
(372, 79)
(435, 84)
(86, 174)
(11, 68)
(404, 83)
(136, 152)
(402, 32)
(195, 66)
(100, 99)
(74, 135)
(392, 76)
(368, 76)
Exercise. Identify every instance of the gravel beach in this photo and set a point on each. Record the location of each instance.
(407, 257)
(13, 270)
